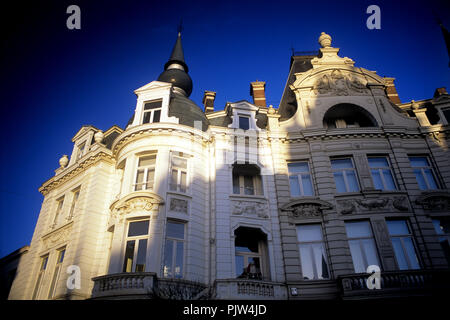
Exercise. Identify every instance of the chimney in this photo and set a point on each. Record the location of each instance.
(208, 101)
(257, 91)
(391, 91)
(439, 92)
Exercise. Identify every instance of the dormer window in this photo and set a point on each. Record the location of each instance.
(244, 122)
(80, 151)
(152, 111)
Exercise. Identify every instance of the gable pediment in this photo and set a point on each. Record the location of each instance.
(154, 85)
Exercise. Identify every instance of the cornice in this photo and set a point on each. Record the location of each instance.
(101, 154)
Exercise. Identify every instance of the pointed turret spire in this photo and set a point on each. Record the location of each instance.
(176, 69)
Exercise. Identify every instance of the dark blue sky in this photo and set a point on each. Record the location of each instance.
(54, 80)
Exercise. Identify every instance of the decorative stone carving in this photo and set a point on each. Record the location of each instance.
(136, 201)
(250, 209)
(339, 83)
(57, 237)
(349, 206)
(98, 136)
(435, 201)
(325, 40)
(306, 210)
(135, 204)
(178, 205)
(64, 161)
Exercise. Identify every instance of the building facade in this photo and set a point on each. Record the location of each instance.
(252, 202)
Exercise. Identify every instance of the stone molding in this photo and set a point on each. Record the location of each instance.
(305, 209)
(365, 205)
(256, 208)
(57, 237)
(435, 201)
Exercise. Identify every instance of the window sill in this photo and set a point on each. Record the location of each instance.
(178, 193)
(244, 196)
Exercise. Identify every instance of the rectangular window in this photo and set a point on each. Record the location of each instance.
(244, 123)
(136, 246)
(403, 245)
(300, 179)
(80, 150)
(312, 252)
(56, 273)
(59, 207)
(247, 185)
(152, 111)
(145, 173)
(381, 173)
(75, 195)
(424, 173)
(362, 245)
(344, 175)
(174, 250)
(442, 227)
(178, 175)
(446, 113)
(42, 268)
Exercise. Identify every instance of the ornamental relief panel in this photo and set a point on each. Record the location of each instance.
(57, 237)
(351, 206)
(178, 205)
(305, 209)
(438, 201)
(339, 83)
(250, 209)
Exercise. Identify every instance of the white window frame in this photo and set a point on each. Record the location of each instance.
(380, 172)
(56, 272)
(81, 148)
(151, 111)
(137, 243)
(344, 174)
(180, 170)
(75, 197)
(422, 172)
(402, 237)
(39, 282)
(299, 176)
(314, 263)
(175, 241)
(146, 170)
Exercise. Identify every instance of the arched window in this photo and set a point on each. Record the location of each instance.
(346, 115)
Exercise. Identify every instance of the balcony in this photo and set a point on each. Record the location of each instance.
(396, 284)
(146, 285)
(246, 289)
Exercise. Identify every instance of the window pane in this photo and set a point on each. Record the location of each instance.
(389, 180)
(138, 228)
(370, 251)
(298, 167)
(156, 115)
(411, 253)
(179, 260)
(378, 163)
(244, 123)
(236, 187)
(179, 162)
(239, 263)
(141, 255)
(147, 161)
(307, 261)
(420, 179)
(183, 182)
(309, 232)
(248, 185)
(168, 253)
(430, 178)
(295, 187)
(377, 182)
(320, 261)
(358, 229)
(397, 227)
(437, 226)
(150, 178)
(419, 161)
(129, 254)
(341, 163)
(175, 230)
(307, 185)
(61, 256)
(44, 263)
(352, 181)
(357, 257)
(140, 176)
(146, 117)
(340, 183)
(399, 254)
(174, 180)
(153, 104)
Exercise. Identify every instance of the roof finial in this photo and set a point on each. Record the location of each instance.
(180, 27)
